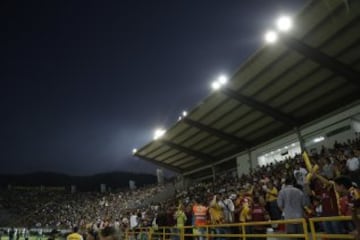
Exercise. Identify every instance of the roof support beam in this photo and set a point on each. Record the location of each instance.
(230, 138)
(161, 164)
(188, 151)
(322, 59)
(261, 107)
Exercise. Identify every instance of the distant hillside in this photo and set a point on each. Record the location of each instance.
(114, 180)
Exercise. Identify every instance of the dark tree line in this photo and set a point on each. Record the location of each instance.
(114, 180)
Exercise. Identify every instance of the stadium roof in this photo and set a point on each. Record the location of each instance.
(308, 73)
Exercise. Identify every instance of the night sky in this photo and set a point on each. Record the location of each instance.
(85, 82)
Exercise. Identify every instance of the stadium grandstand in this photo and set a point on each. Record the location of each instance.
(297, 90)
(272, 153)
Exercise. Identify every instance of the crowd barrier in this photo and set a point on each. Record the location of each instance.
(316, 235)
(244, 231)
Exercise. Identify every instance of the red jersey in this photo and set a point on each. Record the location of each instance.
(328, 201)
(258, 214)
(345, 209)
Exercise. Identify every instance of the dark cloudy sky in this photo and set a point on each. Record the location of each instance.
(84, 82)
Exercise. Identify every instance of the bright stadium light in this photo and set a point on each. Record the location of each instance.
(215, 85)
(271, 36)
(184, 113)
(179, 118)
(159, 133)
(222, 80)
(318, 139)
(134, 150)
(284, 23)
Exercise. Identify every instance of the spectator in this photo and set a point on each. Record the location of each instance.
(291, 201)
(271, 199)
(353, 166)
(200, 217)
(181, 218)
(326, 192)
(258, 214)
(300, 174)
(227, 205)
(328, 169)
(110, 233)
(134, 220)
(74, 235)
(343, 185)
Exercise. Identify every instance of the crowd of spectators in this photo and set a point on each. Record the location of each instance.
(59, 209)
(266, 193)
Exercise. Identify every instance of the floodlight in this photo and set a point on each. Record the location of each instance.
(319, 139)
(271, 37)
(215, 85)
(159, 133)
(134, 150)
(284, 23)
(184, 113)
(223, 80)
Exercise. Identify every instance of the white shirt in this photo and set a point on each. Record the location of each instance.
(133, 221)
(117, 225)
(228, 208)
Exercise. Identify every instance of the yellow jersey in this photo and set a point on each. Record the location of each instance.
(272, 194)
(74, 236)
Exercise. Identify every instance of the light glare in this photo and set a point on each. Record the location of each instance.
(271, 36)
(319, 139)
(159, 133)
(223, 80)
(215, 85)
(184, 113)
(284, 23)
(134, 150)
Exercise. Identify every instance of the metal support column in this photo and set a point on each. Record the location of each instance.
(250, 161)
(213, 175)
(183, 186)
(301, 140)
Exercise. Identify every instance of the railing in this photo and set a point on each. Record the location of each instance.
(315, 235)
(221, 231)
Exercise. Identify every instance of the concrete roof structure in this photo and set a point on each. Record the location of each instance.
(309, 72)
